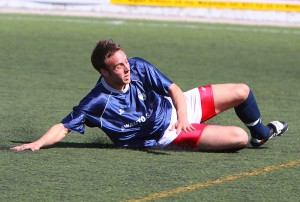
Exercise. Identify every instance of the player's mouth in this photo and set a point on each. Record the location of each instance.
(127, 77)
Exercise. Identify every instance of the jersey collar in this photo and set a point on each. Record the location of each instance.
(105, 85)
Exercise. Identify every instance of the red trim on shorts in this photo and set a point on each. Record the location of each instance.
(189, 139)
(207, 102)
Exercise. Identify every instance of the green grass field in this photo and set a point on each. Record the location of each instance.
(41, 57)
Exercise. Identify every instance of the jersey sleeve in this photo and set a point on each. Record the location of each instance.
(87, 112)
(74, 121)
(152, 78)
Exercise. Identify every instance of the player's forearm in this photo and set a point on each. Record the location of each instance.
(55, 134)
(178, 99)
(179, 102)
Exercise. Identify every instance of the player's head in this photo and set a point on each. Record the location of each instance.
(111, 62)
(103, 50)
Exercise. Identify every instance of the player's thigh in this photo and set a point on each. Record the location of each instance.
(229, 95)
(215, 137)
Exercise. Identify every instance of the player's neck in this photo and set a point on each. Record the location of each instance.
(114, 88)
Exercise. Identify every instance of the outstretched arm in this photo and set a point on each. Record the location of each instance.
(178, 99)
(55, 134)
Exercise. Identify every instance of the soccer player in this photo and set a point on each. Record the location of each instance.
(137, 106)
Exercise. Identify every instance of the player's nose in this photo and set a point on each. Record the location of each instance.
(126, 67)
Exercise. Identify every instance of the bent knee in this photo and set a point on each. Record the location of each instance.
(242, 91)
(240, 137)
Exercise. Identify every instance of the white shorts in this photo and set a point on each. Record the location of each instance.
(200, 107)
(194, 112)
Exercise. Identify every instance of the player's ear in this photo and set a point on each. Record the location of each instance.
(104, 72)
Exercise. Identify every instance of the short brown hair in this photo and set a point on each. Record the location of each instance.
(103, 50)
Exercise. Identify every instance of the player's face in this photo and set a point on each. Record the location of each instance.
(117, 74)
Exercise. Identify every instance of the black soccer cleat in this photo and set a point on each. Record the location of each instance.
(277, 128)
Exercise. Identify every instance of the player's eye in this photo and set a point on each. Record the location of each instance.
(119, 67)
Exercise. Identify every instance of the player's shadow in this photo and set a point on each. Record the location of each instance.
(102, 145)
(256, 148)
(92, 145)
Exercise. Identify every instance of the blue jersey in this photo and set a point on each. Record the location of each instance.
(134, 117)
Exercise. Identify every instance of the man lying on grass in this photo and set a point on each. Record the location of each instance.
(139, 107)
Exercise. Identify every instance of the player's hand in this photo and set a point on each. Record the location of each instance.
(182, 126)
(29, 146)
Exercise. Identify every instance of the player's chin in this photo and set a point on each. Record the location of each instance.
(127, 80)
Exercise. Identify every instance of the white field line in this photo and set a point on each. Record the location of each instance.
(153, 24)
(148, 17)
